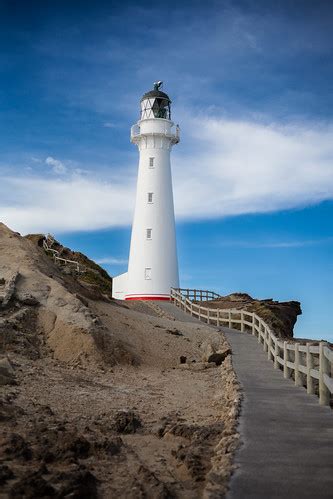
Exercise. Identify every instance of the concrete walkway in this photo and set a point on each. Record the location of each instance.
(287, 438)
(287, 449)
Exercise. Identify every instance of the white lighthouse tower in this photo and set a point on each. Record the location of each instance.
(153, 264)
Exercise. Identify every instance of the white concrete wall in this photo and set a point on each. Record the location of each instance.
(158, 254)
(119, 286)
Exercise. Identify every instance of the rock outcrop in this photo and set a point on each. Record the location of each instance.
(280, 316)
(35, 298)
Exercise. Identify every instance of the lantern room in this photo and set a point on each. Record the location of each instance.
(155, 104)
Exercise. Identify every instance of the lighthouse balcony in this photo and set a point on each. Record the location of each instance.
(137, 132)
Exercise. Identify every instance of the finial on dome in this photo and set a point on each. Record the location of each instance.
(158, 85)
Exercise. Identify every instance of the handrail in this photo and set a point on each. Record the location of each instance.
(199, 294)
(48, 241)
(311, 365)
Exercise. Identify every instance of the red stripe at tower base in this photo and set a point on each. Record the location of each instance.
(164, 298)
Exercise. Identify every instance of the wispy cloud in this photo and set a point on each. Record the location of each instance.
(223, 168)
(35, 160)
(234, 167)
(275, 244)
(57, 166)
(109, 124)
(110, 260)
(256, 49)
(62, 205)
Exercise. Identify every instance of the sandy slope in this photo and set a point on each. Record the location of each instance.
(100, 405)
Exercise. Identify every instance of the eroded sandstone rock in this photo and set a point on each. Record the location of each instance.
(280, 316)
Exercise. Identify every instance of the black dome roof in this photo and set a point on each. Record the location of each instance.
(156, 93)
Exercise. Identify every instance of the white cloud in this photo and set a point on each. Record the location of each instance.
(110, 260)
(40, 205)
(221, 168)
(57, 166)
(275, 244)
(109, 124)
(239, 167)
(35, 159)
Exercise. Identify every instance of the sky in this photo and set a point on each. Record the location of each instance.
(251, 88)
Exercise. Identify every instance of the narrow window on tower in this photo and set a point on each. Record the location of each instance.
(151, 163)
(148, 233)
(148, 273)
(150, 197)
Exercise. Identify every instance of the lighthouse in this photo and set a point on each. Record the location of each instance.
(153, 263)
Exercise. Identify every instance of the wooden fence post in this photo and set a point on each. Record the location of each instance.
(269, 345)
(242, 322)
(309, 365)
(324, 368)
(181, 298)
(276, 353)
(298, 376)
(266, 340)
(259, 332)
(285, 360)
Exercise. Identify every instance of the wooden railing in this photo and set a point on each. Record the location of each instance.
(310, 364)
(199, 294)
(48, 241)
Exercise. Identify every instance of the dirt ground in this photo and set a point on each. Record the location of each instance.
(102, 399)
(65, 428)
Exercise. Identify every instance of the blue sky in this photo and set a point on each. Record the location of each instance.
(251, 88)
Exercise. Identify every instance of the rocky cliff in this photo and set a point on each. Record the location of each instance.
(281, 316)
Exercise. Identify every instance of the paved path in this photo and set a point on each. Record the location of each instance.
(287, 438)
